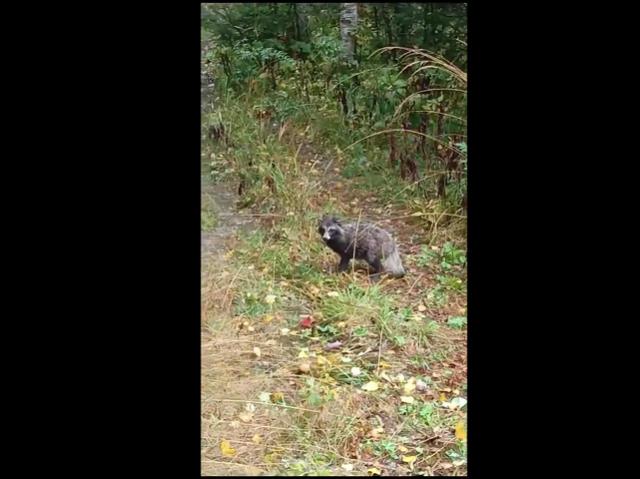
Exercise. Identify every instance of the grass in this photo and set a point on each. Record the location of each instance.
(289, 399)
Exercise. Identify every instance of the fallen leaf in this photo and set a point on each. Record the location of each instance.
(422, 308)
(400, 378)
(250, 407)
(459, 462)
(347, 467)
(461, 432)
(409, 459)
(446, 465)
(304, 367)
(442, 397)
(355, 372)
(370, 386)
(314, 290)
(256, 439)
(409, 387)
(401, 448)
(374, 471)
(407, 399)
(277, 397)
(284, 331)
(332, 346)
(256, 351)
(457, 403)
(264, 397)
(306, 321)
(268, 318)
(321, 360)
(251, 329)
(333, 294)
(234, 424)
(376, 432)
(269, 299)
(421, 385)
(226, 449)
(245, 416)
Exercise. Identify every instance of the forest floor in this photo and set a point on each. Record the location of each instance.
(310, 372)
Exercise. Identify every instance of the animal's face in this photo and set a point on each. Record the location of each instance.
(329, 228)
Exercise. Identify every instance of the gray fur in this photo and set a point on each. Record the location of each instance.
(362, 241)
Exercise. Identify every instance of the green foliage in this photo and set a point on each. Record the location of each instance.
(457, 322)
(285, 60)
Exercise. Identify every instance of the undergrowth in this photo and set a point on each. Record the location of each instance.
(375, 363)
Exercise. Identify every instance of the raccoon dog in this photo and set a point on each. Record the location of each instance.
(362, 241)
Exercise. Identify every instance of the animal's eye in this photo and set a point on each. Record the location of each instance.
(321, 230)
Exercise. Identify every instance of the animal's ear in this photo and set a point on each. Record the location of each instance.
(336, 220)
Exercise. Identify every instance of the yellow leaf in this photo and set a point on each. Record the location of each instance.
(321, 360)
(409, 387)
(268, 318)
(276, 397)
(370, 386)
(256, 439)
(271, 458)
(245, 416)
(304, 367)
(374, 471)
(442, 397)
(226, 449)
(401, 448)
(409, 459)
(461, 432)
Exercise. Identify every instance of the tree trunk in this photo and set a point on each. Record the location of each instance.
(301, 21)
(348, 24)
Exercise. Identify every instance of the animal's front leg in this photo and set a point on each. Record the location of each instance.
(344, 264)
